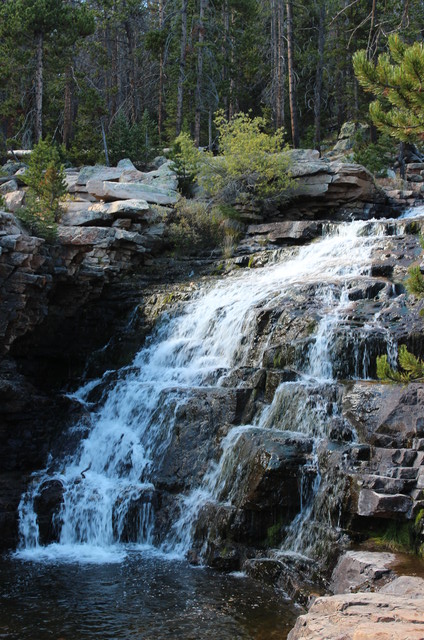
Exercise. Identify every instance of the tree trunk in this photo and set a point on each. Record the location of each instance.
(161, 71)
(281, 76)
(131, 72)
(199, 78)
(39, 88)
(224, 52)
(373, 15)
(318, 78)
(210, 122)
(232, 107)
(292, 79)
(67, 111)
(274, 61)
(181, 78)
(114, 73)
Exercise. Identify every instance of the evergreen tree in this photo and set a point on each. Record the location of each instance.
(31, 28)
(396, 80)
(45, 178)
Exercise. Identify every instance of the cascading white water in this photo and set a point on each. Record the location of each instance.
(110, 473)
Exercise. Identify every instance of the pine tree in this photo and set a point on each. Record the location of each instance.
(30, 30)
(45, 178)
(396, 80)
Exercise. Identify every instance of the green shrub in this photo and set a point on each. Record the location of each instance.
(186, 161)
(250, 160)
(375, 156)
(415, 281)
(397, 536)
(196, 228)
(45, 178)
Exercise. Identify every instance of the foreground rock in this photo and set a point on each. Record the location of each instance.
(396, 612)
(360, 616)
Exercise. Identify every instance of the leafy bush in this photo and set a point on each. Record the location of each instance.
(45, 178)
(410, 367)
(195, 228)
(375, 156)
(250, 160)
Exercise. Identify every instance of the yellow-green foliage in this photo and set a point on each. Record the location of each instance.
(415, 281)
(410, 367)
(250, 159)
(195, 227)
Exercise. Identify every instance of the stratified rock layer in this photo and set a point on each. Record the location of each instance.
(396, 612)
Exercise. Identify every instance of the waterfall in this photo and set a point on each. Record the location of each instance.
(108, 481)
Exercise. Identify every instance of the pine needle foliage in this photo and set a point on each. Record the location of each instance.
(410, 368)
(186, 159)
(45, 178)
(397, 81)
(415, 281)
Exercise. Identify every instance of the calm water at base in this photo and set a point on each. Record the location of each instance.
(140, 598)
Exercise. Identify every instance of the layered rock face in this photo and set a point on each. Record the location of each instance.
(322, 189)
(389, 607)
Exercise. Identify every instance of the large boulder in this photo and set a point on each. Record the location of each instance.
(47, 503)
(105, 190)
(394, 411)
(265, 471)
(14, 200)
(359, 569)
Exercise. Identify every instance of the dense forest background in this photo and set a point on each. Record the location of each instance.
(139, 73)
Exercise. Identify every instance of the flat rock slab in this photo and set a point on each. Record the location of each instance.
(408, 586)
(110, 191)
(134, 209)
(356, 569)
(362, 616)
(99, 172)
(73, 206)
(281, 232)
(86, 218)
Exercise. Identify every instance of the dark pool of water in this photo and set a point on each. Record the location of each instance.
(140, 598)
